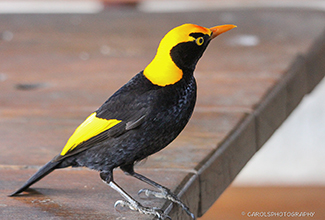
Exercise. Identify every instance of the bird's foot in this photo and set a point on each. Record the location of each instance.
(136, 206)
(165, 193)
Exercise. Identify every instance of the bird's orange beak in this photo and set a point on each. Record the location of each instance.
(217, 30)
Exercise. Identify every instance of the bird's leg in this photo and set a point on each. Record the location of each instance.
(164, 192)
(130, 202)
(135, 205)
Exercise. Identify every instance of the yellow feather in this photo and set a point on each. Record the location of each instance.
(91, 127)
(162, 70)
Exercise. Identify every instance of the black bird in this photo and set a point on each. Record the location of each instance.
(141, 118)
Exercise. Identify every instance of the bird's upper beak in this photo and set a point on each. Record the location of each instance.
(217, 30)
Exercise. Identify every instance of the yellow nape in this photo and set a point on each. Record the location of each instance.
(91, 127)
(162, 70)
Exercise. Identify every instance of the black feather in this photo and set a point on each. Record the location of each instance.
(45, 170)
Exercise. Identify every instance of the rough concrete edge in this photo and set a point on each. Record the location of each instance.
(280, 101)
(315, 62)
(301, 78)
(222, 166)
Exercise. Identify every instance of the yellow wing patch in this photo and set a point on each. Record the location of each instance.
(91, 127)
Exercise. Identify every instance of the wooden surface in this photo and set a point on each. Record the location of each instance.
(56, 69)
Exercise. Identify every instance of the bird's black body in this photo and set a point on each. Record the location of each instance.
(162, 115)
(141, 118)
(152, 116)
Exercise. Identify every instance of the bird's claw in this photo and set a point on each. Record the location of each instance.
(122, 203)
(149, 192)
(166, 194)
(143, 210)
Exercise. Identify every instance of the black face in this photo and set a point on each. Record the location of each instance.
(186, 55)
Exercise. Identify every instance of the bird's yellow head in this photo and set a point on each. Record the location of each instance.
(179, 51)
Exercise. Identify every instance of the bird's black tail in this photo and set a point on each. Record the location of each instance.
(46, 169)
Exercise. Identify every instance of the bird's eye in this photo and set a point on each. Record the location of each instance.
(199, 41)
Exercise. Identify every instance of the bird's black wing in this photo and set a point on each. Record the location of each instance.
(125, 110)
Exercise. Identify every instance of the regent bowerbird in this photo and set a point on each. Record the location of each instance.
(140, 118)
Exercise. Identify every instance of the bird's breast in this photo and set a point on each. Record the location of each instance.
(171, 114)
